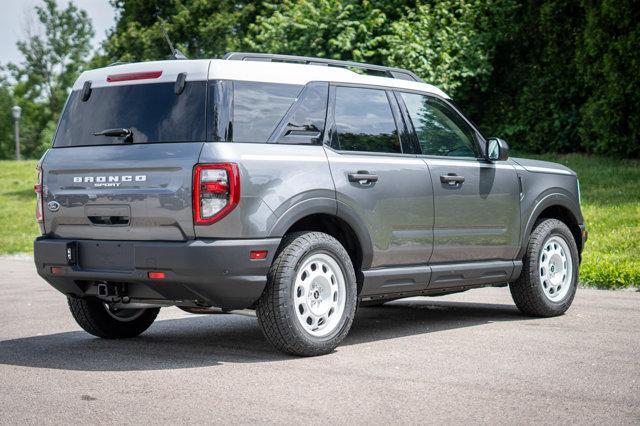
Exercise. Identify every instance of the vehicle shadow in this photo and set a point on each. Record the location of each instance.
(424, 315)
(201, 341)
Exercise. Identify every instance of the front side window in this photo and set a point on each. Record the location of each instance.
(439, 129)
(152, 112)
(259, 107)
(364, 121)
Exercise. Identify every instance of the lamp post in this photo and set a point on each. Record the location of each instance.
(16, 111)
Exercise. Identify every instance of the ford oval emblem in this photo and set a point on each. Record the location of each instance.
(53, 206)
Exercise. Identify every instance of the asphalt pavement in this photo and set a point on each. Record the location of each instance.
(465, 358)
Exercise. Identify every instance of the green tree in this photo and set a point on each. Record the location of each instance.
(337, 29)
(7, 149)
(54, 52)
(445, 42)
(565, 79)
(609, 63)
(199, 28)
(534, 93)
(548, 75)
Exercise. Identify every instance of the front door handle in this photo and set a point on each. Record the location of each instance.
(362, 177)
(452, 179)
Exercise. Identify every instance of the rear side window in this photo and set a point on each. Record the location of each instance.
(259, 107)
(364, 121)
(304, 123)
(153, 113)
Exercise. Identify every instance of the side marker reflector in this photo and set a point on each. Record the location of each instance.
(156, 275)
(56, 270)
(258, 254)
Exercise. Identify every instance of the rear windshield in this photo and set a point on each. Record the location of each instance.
(152, 112)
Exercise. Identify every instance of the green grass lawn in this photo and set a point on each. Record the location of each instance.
(18, 225)
(610, 204)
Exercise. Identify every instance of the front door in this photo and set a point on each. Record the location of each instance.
(477, 203)
(382, 182)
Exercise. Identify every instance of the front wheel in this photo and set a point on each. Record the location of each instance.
(101, 320)
(310, 299)
(549, 279)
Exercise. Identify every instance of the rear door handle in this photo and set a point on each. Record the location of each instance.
(452, 179)
(362, 177)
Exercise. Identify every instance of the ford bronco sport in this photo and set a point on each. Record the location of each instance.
(291, 188)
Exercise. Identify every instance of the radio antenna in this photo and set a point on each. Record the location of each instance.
(175, 53)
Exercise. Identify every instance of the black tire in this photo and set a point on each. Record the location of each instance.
(276, 309)
(528, 292)
(92, 316)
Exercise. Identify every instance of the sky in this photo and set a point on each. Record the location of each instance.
(16, 12)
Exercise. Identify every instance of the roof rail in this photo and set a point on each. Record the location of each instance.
(268, 57)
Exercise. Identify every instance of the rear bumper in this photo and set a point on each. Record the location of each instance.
(212, 272)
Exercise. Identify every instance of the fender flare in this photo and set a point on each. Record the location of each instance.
(549, 200)
(331, 207)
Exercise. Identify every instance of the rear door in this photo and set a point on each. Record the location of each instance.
(135, 187)
(382, 181)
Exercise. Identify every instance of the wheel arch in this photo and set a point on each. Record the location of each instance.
(322, 215)
(555, 206)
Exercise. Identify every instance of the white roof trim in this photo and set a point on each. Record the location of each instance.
(197, 70)
(288, 73)
(268, 72)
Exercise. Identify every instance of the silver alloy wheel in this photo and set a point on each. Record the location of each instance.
(555, 268)
(123, 315)
(319, 294)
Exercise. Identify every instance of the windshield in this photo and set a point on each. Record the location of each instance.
(151, 112)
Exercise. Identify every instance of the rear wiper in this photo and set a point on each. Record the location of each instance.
(118, 133)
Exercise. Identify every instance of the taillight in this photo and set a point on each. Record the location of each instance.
(216, 191)
(39, 197)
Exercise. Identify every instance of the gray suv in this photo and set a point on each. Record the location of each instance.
(293, 189)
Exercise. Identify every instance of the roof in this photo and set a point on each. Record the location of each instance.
(380, 70)
(268, 72)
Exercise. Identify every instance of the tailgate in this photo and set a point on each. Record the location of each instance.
(120, 192)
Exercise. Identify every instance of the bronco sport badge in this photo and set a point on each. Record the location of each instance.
(109, 181)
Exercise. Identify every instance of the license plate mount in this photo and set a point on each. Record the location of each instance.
(106, 255)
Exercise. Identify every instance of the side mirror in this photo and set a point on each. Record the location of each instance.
(497, 150)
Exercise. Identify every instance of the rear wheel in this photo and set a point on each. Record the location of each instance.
(549, 276)
(100, 319)
(308, 305)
